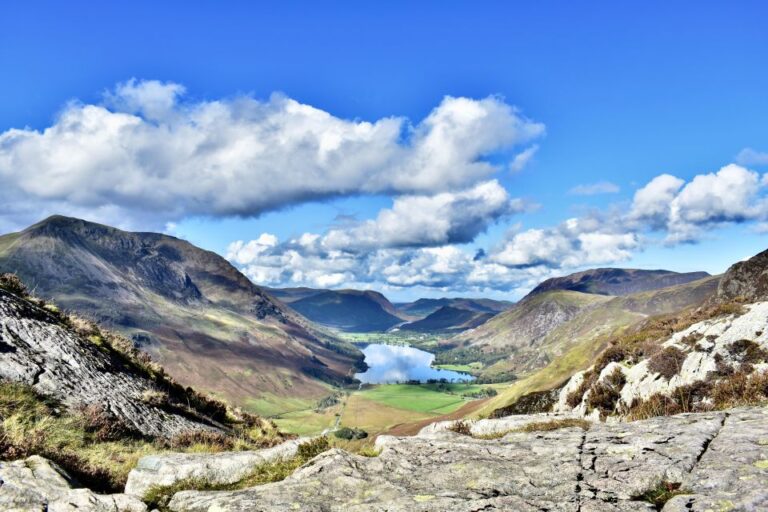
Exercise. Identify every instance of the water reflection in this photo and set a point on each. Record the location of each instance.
(388, 364)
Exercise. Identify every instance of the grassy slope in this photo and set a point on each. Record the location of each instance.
(576, 344)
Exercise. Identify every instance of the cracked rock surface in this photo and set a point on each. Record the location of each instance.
(38, 485)
(720, 461)
(36, 350)
(216, 468)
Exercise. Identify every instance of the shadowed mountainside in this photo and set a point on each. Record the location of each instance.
(425, 307)
(203, 320)
(347, 310)
(447, 319)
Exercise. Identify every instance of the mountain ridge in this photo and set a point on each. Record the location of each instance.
(617, 281)
(207, 323)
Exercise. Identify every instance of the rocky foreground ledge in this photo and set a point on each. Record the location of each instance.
(711, 462)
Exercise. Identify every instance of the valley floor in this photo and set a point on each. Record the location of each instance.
(379, 408)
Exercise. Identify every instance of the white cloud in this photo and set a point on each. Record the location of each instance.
(602, 187)
(393, 250)
(749, 156)
(652, 203)
(414, 221)
(709, 200)
(577, 242)
(146, 153)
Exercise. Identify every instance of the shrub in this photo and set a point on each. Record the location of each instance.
(668, 362)
(11, 283)
(350, 433)
(661, 494)
(312, 448)
(604, 395)
(105, 426)
(748, 352)
(461, 427)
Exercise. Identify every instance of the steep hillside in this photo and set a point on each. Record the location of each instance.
(745, 280)
(448, 319)
(348, 310)
(195, 313)
(39, 349)
(715, 356)
(617, 281)
(576, 345)
(90, 401)
(573, 344)
(425, 307)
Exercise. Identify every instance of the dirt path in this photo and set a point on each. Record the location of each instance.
(411, 429)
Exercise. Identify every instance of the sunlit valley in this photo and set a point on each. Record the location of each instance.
(425, 257)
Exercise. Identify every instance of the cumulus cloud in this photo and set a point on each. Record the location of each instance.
(652, 203)
(602, 187)
(686, 210)
(413, 221)
(414, 243)
(575, 243)
(146, 152)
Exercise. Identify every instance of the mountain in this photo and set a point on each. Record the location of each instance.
(617, 281)
(577, 343)
(448, 318)
(204, 321)
(543, 328)
(347, 310)
(425, 307)
(711, 357)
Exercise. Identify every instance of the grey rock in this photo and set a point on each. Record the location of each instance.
(36, 484)
(37, 350)
(217, 468)
(745, 280)
(720, 458)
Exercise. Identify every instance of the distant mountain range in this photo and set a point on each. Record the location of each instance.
(346, 310)
(617, 281)
(447, 319)
(425, 307)
(208, 325)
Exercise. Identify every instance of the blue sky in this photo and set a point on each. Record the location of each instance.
(626, 92)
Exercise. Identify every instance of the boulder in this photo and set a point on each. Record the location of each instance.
(37, 484)
(217, 468)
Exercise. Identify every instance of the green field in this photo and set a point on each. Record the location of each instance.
(467, 368)
(425, 398)
(424, 341)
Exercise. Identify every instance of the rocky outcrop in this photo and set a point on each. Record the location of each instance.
(717, 461)
(746, 280)
(36, 349)
(216, 469)
(38, 485)
(698, 353)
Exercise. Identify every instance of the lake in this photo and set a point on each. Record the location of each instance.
(388, 364)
